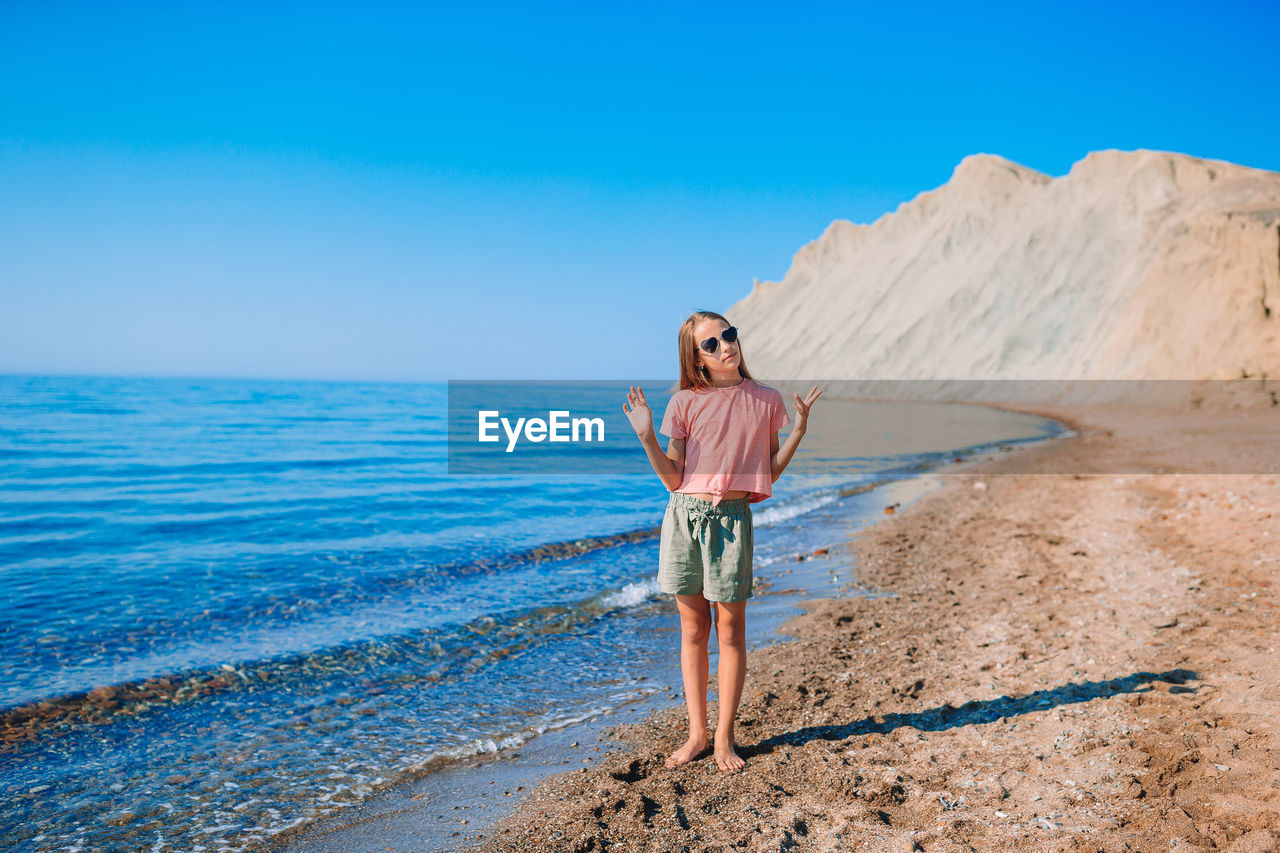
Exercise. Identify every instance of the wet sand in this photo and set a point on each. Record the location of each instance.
(1076, 660)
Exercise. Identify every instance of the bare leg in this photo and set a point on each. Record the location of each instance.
(731, 632)
(695, 631)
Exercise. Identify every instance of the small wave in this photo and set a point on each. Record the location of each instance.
(415, 764)
(479, 746)
(795, 507)
(631, 594)
(574, 719)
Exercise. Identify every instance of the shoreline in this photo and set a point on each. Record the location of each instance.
(474, 791)
(1073, 661)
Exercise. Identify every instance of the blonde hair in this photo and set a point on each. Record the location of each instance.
(693, 375)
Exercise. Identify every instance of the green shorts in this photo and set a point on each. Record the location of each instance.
(707, 549)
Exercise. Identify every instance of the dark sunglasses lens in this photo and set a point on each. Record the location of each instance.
(709, 345)
(730, 334)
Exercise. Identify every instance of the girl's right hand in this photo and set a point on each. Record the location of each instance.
(639, 414)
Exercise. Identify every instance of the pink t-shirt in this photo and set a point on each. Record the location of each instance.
(726, 433)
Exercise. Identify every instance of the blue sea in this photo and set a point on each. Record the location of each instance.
(232, 607)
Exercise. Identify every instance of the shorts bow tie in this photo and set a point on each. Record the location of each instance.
(702, 516)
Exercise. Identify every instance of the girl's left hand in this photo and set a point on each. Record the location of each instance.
(803, 406)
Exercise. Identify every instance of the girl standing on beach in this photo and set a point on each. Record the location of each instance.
(723, 456)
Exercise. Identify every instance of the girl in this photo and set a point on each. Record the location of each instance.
(723, 456)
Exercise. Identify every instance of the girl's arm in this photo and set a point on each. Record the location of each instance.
(779, 458)
(670, 465)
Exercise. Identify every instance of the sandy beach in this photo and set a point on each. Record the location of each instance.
(1080, 660)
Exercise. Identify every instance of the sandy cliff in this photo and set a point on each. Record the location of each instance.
(1134, 265)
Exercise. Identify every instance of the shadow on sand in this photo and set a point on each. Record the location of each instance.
(975, 711)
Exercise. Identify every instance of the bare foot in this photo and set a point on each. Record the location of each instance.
(688, 752)
(726, 759)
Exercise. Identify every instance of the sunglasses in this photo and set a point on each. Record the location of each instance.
(710, 345)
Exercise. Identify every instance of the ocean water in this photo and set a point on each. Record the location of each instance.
(232, 607)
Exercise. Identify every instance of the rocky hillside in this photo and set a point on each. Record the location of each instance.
(1134, 265)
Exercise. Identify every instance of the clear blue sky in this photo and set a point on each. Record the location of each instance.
(528, 190)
